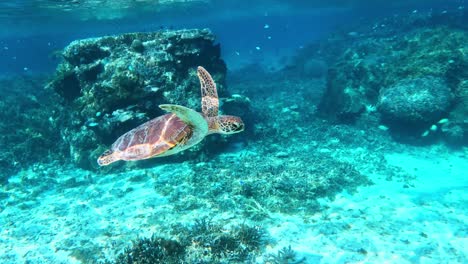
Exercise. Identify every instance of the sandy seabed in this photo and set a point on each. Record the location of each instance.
(80, 213)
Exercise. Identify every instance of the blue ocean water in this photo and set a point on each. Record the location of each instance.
(31, 32)
(325, 131)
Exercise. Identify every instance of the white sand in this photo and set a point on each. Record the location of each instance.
(45, 218)
(387, 223)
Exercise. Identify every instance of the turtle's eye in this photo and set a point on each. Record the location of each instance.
(238, 126)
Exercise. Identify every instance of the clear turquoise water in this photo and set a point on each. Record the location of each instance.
(397, 202)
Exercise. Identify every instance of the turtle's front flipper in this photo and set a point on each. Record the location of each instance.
(192, 118)
(210, 101)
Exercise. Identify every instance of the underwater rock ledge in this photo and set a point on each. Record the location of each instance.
(111, 84)
(376, 63)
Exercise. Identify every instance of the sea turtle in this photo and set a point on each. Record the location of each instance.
(178, 130)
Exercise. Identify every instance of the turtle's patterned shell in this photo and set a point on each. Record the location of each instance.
(152, 138)
(175, 132)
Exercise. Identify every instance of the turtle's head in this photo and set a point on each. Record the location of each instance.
(106, 158)
(227, 124)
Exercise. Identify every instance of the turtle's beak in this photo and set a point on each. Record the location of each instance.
(238, 126)
(106, 158)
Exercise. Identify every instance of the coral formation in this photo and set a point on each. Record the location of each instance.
(152, 250)
(201, 242)
(290, 180)
(415, 101)
(217, 243)
(259, 188)
(29, 124)
(279, 173)
(456, 129)
(111, 84)
(370, 63)
(290, 162)
(285, 256)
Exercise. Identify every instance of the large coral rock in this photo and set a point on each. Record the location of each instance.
(456, 129)
(415, 101)
(114, 83)
(376, 63)
(28, 131)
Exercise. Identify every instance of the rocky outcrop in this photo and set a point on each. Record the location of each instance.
(410, 70)
(28, 131)
(113, 83)
(415, 101)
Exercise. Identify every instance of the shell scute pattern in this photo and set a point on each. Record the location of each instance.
(152, 138)
(174, 132)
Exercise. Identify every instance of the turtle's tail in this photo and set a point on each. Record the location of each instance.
(106, 158)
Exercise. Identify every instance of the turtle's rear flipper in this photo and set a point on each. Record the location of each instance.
(192, 118)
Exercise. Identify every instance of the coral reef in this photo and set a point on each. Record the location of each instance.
(282, 192)
(415, 101)
(29, 128)
(218, 243)
(456, 129)
(269, 181)
(285, 256)
(288, 163)
(111, 84)
(367, 63)
(201, 242)
(152, 250)
(283, 175)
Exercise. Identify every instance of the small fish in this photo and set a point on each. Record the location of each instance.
(152, 89)
(443, 121)
(383, 128)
